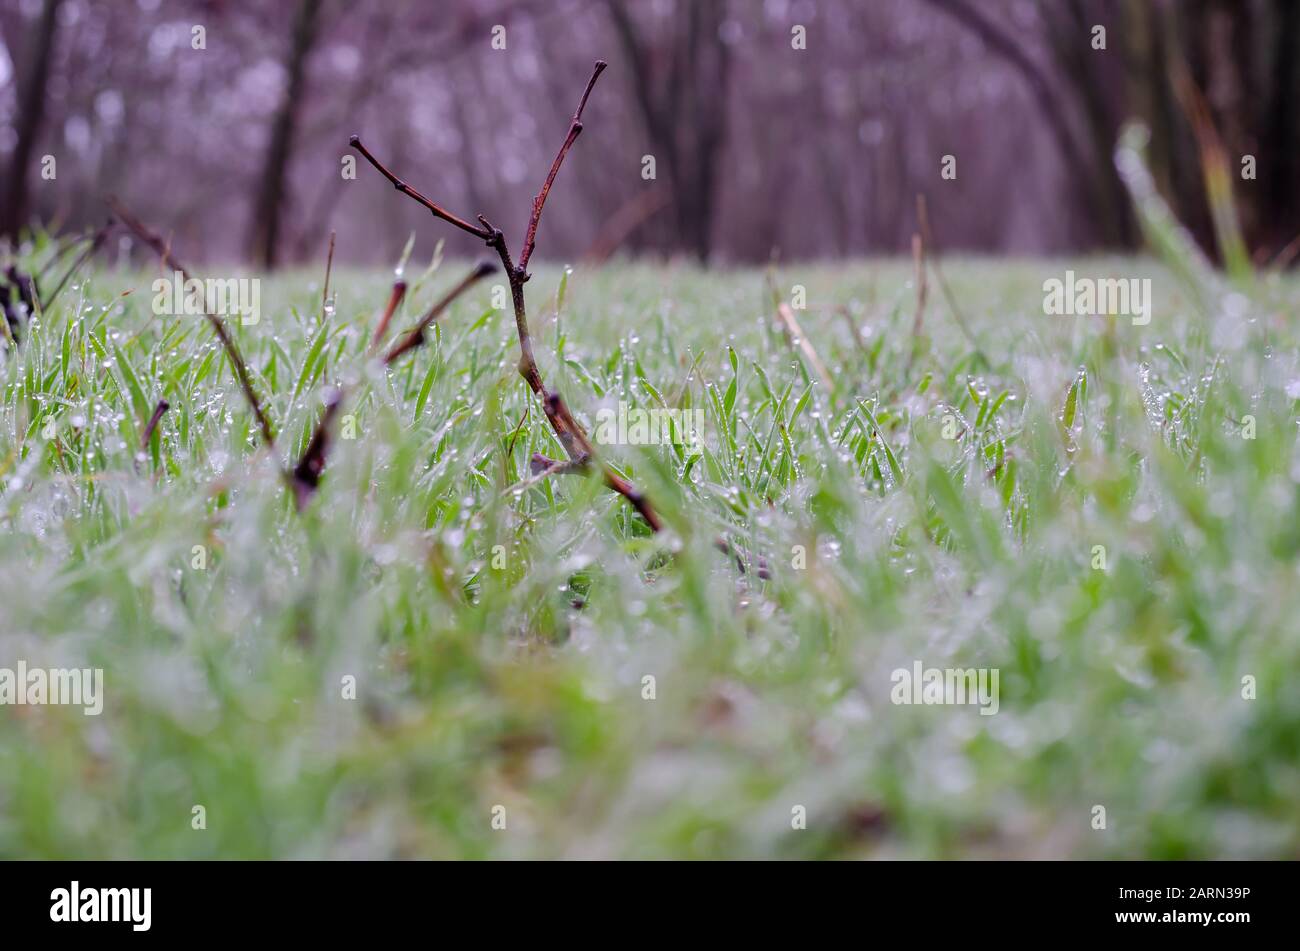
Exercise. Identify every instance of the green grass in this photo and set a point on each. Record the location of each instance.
(521, 685)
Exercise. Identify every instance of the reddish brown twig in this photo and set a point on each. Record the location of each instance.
(325, 292)
(164, 253)
(147, 434)
(304, 478)
(394, 301)
(575, 129)
(410, 192)
(567, 429)
(416, 337)
(541, 466)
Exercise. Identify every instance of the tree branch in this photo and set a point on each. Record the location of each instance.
(405, 189)
(164, 253)
(575, 129)
(304, 478)
(394, 301)
(416, 337)
(567, 429)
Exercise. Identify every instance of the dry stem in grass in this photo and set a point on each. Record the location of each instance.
(96, 241)
(163, 250)
(325, 291)
(795, 337)
(147, 433)
(927, 237)
(567, 429)
(394, 301)
(304, 478)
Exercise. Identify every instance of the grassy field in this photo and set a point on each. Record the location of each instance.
(514, 677)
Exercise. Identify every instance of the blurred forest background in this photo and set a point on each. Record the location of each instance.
(236, 149)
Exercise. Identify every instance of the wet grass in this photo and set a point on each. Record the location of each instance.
(942, 502)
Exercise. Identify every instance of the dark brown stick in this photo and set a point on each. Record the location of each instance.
(416, 337)
(541, 465)
(96, 241)
(162, 407)
(567, 429)
(304, 478)
(410, 192)
(394, 301)
(329, 264)
(575, 129)
(218, 325)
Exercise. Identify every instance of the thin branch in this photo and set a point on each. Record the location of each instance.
(329, 264)
(162, 407)
(416, 337)
(542, 466)
(394, 301)
(410, 192)
(96, 241)
(567, 429)
(163, 251)
(304, 478)
(575, 129)
(923, 219)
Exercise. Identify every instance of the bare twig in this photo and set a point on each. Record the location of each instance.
(147, 434)
(96, 241)
(394, 301)
(923, 219)
(410, 192)
(304, 478)
(854, 332)
(416, 337)
(794, 335)
(218, 325)
(575, 129)
(329, 264)
(922, 287)
(567, 429)
(542, 466)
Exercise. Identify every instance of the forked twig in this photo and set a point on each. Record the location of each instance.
(95, 242)
(304, 478)
(567, 429)
(415, 338)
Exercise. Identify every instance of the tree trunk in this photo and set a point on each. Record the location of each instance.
(32, 115)
(266, 225)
